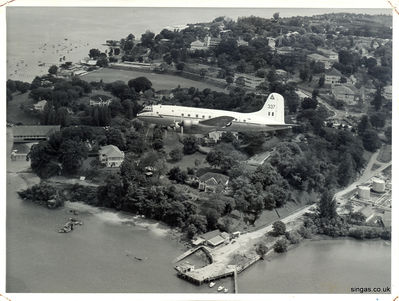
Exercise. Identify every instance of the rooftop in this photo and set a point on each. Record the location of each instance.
(217, 177)
(111, 151)
(210, 235)
(334, 72)
(36, 130)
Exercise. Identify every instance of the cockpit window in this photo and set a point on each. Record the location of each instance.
(147, 109)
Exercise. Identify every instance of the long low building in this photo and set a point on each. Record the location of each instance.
(33, 133)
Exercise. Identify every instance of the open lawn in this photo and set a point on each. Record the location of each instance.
(15, 114)
(159, 81)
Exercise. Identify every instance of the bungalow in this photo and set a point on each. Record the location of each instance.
(100, 100)
(39, 106)
(213, 182)
(33, 133)
(333, 76)
(345, 92)
(198, 45)
(214, 238)
(318, 58)
(111, 156)
(332, 55)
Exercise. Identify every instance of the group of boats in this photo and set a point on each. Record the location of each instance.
(68, 227)
(220, 288)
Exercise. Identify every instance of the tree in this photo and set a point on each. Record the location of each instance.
(176, 154)
(147, 39)
(180, 66)
(345, 170)
(363, 125)
(327, 205)
(102, 62)
(240, 81)
(261, 249)
(377, 120)
(279, 228)
(371, 142)
(167, 58)
(72, 154)
(53, 70)
(43, 160)
(140, 84)
(176, 174)
(309, 103)
(281, 246)
(322, 80)
(190, 145)
(229, 80)
(110, 194)
(388, 134)
(94, 53)
(377, 101)
(304, 73)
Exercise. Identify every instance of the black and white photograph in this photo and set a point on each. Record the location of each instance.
(207, 150)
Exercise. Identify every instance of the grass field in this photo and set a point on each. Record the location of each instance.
(159, 81)
(15, 114)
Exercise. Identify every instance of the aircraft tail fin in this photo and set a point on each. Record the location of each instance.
(273, 109)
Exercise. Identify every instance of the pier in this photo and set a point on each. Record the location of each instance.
(192, 251)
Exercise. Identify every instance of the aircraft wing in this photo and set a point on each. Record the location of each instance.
(220, 121)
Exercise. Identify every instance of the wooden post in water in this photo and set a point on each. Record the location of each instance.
(235, 281)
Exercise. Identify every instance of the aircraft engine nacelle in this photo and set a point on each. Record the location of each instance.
(187, 123)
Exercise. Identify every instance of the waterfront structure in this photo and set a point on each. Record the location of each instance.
(333, 76)
(111, 156)
(33, 133)
(214, 238)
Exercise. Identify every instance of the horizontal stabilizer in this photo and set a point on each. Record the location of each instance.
(221, 121)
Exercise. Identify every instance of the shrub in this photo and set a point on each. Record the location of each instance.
(293, 236)
(281, 246)
(279, 228)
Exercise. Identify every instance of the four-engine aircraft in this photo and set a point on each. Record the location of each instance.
(200, 120)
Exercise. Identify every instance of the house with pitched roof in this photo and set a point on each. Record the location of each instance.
(100, 100)
(346, 92)
(33, 133)
(213, 182)
(333, 76)
(111, 156)
(213, 238)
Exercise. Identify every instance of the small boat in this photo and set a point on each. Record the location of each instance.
(212, 284)
(226, 290)
(220, 288)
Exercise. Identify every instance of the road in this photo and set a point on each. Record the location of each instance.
(337, 114)
(245, 241)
